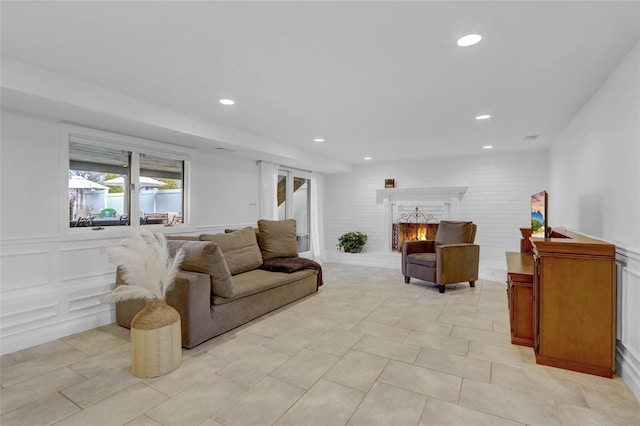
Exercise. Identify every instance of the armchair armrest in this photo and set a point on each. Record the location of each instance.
(457, 263)
(418, 246)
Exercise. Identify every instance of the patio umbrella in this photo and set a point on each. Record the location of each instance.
(80, 183)
(145, 182)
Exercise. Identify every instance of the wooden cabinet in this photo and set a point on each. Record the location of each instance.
(574, 293)
(521, 300)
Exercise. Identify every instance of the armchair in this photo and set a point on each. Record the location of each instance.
(450, 258)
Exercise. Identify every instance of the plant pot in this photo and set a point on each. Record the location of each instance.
(352, 249)
(156, 343)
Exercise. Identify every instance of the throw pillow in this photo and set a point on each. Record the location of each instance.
(256, 230)
(240, 249)
(278, 238)
(205, 257)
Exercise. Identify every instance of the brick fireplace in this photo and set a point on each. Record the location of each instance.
(417, 211)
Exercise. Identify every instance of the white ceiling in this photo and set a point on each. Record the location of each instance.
(379, 79)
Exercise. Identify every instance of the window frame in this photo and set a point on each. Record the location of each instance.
(136, 145)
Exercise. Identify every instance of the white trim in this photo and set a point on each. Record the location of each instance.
(434, 193)
(627, 317)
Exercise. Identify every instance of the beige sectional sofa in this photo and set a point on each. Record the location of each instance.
(222, 286)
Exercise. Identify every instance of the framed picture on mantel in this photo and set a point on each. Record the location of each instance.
(389, 183)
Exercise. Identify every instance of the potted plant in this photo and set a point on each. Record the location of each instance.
(352, 242)
(149, 273)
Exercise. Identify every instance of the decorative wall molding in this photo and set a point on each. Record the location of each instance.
(628, 317)
(34, 266)
(15, 241)
(52, 286)
(220, 228)
(16, 322)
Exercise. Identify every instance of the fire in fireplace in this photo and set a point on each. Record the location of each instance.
(413, 226)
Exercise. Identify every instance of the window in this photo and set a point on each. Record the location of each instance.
(117, 180)
(92, 196)
(294, 200)
(161, 197)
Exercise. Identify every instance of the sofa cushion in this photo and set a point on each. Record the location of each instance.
(278, 238)
(258, 280)
(206, 257)
(240, 249)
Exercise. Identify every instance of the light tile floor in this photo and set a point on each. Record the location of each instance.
(367, 349)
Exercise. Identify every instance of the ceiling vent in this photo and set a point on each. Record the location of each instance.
(531, 137)
(227, 150)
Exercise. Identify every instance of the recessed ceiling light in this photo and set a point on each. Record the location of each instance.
(469, 40)
(367, 158)
(318, 140)
(487, 147)
(227, 102)
(483, 117)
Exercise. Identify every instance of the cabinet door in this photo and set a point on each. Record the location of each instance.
(522, 330)
(575, 310)
(521, 312)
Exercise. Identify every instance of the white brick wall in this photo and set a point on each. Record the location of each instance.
(497, 200)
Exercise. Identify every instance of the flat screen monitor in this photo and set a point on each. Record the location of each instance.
(539, 215)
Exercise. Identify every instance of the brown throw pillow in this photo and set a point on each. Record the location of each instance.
(240, 249)
(278, 238)
(205, 257)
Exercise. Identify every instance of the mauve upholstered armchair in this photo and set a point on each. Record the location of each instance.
(450, 258)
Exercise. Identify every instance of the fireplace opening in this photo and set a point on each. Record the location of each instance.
(413, 226)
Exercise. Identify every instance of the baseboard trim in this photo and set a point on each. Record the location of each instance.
(39, 335)
(628, 367)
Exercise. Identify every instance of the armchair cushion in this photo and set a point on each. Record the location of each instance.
(424, 259)
(451, 232)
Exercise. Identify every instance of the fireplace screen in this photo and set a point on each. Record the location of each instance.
(413, 226)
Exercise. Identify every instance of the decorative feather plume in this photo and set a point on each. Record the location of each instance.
(147, 268)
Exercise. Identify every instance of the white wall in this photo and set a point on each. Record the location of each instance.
(498, 199)
(595, 173)
(50, 283)
(595, 189)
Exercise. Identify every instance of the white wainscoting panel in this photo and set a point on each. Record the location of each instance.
(82, 262)
(51, 288)
(628, 317)
(32, 266)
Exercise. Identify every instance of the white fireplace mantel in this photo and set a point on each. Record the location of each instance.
(447, 195)
(433, 193)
